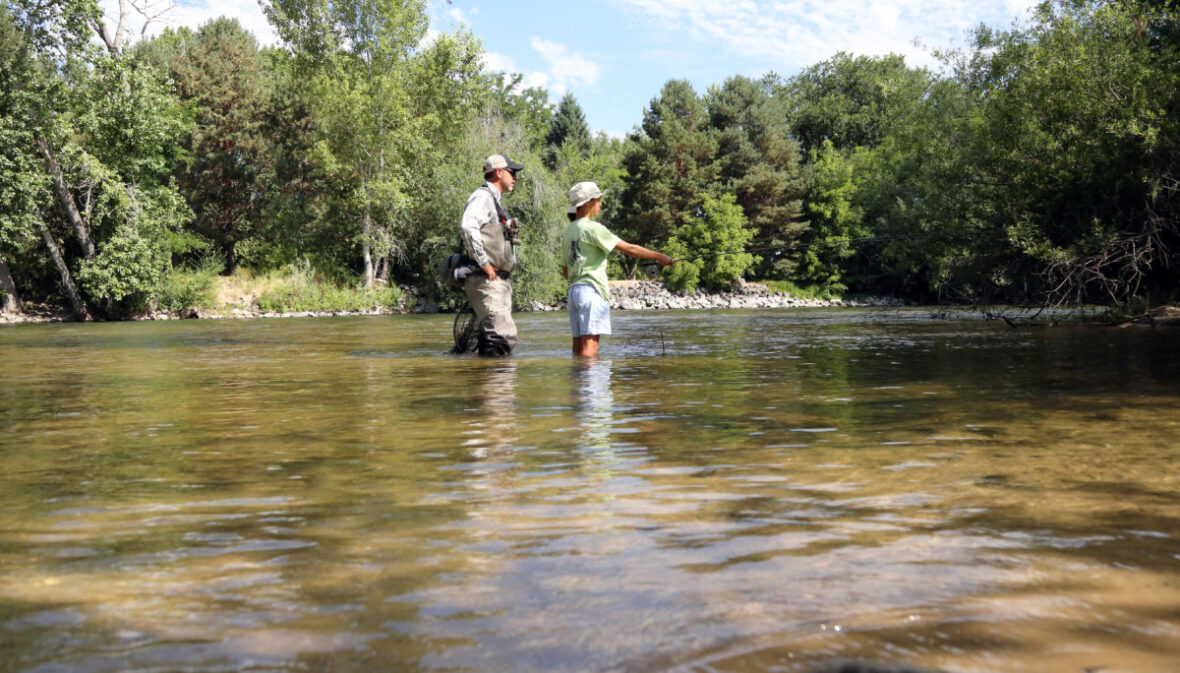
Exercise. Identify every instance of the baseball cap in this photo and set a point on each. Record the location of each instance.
(500, 161)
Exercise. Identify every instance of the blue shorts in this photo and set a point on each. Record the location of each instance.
(589, 312)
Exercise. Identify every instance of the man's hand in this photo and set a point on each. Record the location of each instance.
(490, 271)
(664, 260)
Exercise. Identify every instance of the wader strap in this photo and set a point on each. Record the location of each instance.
(500, 212)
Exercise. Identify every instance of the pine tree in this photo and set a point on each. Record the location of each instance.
(221, 71)
(568, 125)
(670, 166)
(758, 162)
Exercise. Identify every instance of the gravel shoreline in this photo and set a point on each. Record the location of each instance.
(625, 296)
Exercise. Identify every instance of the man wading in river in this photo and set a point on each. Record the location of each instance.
(488, 236)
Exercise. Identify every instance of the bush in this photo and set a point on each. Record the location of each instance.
(189, 288)
(123, 275)
(805, 292)
(297, 289)
(712, 246)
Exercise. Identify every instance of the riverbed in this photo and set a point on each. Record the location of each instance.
(740, 491)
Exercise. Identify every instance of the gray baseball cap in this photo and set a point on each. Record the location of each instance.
(500, 161)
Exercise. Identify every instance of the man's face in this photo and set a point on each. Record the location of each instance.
(507, 180)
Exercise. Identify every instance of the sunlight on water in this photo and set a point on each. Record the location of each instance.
(727, 491)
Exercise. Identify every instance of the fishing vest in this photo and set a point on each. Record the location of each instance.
(497, 241)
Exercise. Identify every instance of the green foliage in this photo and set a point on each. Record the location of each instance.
(835, 219)
(758, 162)
(293, 206)
(826, 291)
(22, 185)
(122, 277)
(356, 58)
(103, 133)
(219, 72)
(529, 108)
(1040, 170)
(186, 288)
(722, 228)
(853, 101)
(137, 129)
(298, 289)
(669, 164)
(23, 182)
(567, 127)
(381, 107)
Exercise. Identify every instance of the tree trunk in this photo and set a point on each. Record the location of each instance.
(366, 231)
(66, 200)
(231, 259)
(9, 303)
(67, 282)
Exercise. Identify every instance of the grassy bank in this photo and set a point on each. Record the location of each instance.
(292, 289)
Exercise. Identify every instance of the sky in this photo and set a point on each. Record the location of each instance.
(614, 56)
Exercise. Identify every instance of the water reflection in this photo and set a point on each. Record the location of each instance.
(593, 402)
(771, 490)
(492, 425)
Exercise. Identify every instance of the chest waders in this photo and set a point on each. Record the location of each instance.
(488, 327)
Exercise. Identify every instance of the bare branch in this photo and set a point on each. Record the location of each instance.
(152, 11)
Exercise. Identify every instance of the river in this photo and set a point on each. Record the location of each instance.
(719, 491)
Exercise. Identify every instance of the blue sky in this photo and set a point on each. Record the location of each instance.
(615, 55)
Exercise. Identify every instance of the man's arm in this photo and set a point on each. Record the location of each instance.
(640, 252)
(479, 209)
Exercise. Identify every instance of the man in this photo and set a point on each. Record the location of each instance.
(489, 238)
(587, 244)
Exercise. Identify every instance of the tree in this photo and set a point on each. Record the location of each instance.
(293, 226)
(355, 55)
(220, 71)
(21, 183)
(1079, 129)
(670, 166)
(851, 100)
(835, 219)
(567, 126)
(711, 246)
(528, 107)
(380, 102)
(758, 162)
(104, 133)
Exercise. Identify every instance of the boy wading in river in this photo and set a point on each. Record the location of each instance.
(587, 245)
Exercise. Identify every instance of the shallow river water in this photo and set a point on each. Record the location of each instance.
(719, 491)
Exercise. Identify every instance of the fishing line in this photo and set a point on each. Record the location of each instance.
(788, 246)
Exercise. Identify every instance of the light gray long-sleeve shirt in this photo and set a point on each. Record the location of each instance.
(480, 209)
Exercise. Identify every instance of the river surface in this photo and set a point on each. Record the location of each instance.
(719, 491)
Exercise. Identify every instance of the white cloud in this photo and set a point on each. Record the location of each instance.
(565, 68)
(800, 32)
(498, 62)
(429, 38)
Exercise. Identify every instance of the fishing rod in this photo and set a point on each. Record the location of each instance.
(788, 246)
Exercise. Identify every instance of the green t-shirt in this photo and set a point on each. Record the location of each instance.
(587, 245)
